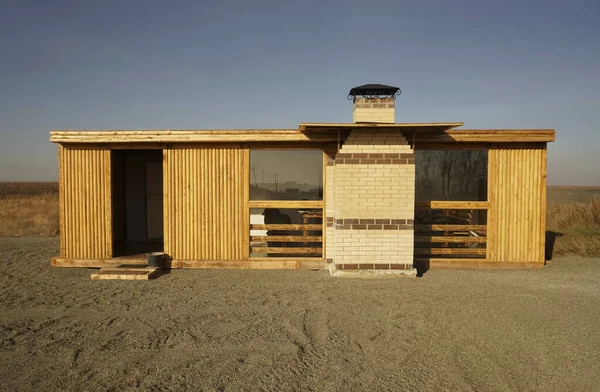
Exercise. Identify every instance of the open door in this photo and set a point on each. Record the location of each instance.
(137, 202)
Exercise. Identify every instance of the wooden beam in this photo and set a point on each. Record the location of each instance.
(256, 263)
(292, 250)
(286, 227)
(486, 136)
(278, 238)
(452, 205)
(126, 273)
(307, 127)
(450, 251)
(436, 227)
(447, 239)
(438, 263)
(299, 204)
(96, 263)
(192, 136)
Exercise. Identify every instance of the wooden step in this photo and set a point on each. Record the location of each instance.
(126, 272)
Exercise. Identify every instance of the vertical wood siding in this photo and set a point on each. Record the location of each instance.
(517, 195)
(206, 216)
(85, 203)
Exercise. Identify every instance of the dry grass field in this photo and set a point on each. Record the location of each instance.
(31, 209)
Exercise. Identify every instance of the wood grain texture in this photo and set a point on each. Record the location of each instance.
(439, 263)
(436, 227)
(295, 204)
(205, 204)
(85, 204)
(188, 136)
(275, 263)
(517, 195)
(455, 205)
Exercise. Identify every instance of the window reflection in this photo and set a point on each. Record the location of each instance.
(286, 175)
(457, 175)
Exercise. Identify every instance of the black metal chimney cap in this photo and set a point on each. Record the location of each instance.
(374, 91)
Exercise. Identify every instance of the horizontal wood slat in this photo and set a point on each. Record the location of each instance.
(456, 205)
(312, 263)
(450, 251)
(285, 227)
(435, 227)
(278, 238)
(204, 136)
(448, 239)
(298, 204)
(447, 260)
(292, 250)
(485, 135)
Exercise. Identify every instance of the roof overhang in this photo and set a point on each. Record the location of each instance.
(441, 133)
(332, 127)
(189, 136)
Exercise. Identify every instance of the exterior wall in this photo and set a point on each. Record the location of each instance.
(374, 110)
(85, 204)
(329, 212)
(205, 203)
(517, 196)
(370, 210)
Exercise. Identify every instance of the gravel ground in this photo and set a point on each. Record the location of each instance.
(296, 330)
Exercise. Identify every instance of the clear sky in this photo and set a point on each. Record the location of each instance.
(139, 64)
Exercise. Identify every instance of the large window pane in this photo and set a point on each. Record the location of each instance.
(286, 175)
(457, 175)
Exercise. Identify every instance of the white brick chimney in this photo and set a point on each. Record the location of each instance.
(374, 110)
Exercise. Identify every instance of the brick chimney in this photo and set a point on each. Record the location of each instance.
(371, 192)
(374, 103)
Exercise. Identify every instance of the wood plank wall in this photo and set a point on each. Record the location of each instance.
(85, 203)
(206, 215)
(517, 195)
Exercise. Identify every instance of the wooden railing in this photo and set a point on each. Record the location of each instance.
(445, 230)
(289, 240)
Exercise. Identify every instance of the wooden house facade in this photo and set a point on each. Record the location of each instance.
(367, 195)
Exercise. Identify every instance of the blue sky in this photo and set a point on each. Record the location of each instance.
(181, 64)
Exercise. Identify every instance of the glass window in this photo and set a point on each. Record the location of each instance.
(286, 175)
(456, 175)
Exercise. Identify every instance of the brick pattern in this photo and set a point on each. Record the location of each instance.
(370, 204)
(373, 246)
(373, 224)
(376, 266)
(374, 110)
(374, 192)
(378, 158)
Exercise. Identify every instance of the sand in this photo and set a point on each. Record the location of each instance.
(296, 330)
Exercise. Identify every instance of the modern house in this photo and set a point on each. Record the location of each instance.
(368, 195)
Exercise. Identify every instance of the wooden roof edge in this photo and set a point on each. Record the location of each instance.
(168, 131)
(519, 135)
(448, 125)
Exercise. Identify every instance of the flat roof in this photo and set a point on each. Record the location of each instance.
(325, 127)
(306, 132)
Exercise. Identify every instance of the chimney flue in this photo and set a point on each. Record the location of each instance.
(374, 103)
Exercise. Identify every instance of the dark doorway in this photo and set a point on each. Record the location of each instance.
(137, 202)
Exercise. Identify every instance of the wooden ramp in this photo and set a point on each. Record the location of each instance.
(126, 272)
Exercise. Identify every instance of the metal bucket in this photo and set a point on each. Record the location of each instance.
(156, 259)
